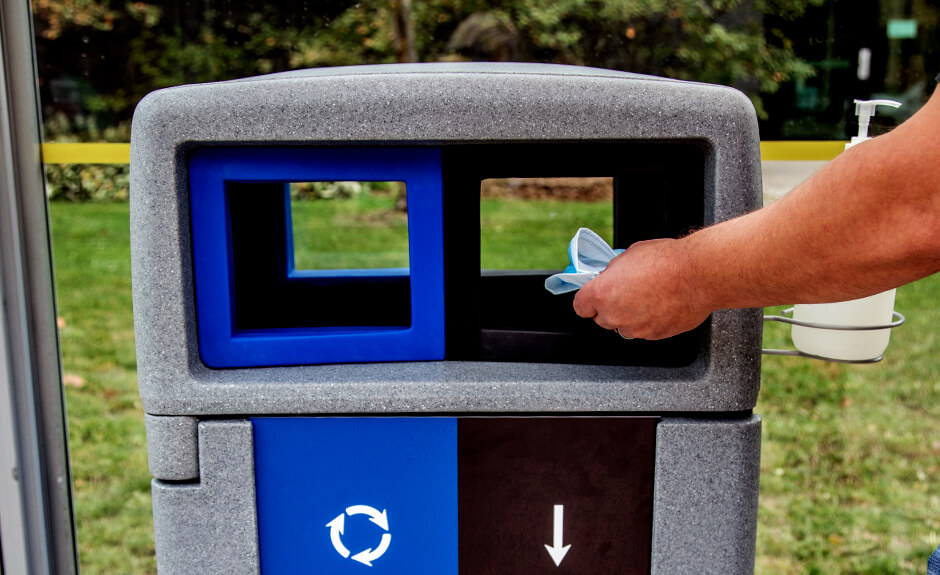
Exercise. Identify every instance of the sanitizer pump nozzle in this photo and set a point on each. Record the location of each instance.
(865, 109)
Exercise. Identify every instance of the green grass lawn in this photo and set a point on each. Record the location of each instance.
(850, 462)
(850, 458)
(106, 432)
(359, 233)
(366, 232)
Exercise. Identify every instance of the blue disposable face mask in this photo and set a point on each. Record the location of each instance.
(589, 255)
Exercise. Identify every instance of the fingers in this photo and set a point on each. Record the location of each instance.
(640, 294)
(584, 304)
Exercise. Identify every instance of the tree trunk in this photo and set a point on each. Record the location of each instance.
(404, 31)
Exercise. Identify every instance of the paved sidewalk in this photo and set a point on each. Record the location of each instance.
(781, 177)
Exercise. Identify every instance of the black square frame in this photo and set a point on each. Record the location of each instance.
(659, 191)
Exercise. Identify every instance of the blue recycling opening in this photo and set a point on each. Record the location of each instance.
(254, 309)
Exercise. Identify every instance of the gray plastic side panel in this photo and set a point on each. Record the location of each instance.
(705, 499)
(172, 447)
(426, 105)
(210, 526)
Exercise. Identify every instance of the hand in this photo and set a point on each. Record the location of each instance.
(647, 292)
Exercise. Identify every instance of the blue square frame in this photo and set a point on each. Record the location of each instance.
(221, 345)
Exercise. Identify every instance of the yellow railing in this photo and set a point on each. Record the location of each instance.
(86, 153)
(804, 151)
(98, 153)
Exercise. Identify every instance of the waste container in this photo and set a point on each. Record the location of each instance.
(434, 416)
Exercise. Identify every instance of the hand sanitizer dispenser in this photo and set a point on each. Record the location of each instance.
(852, 342)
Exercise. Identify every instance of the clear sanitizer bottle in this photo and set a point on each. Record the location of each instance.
(862, 345)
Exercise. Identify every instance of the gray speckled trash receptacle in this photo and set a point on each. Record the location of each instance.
(511, 436)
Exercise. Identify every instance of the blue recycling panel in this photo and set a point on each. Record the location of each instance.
(222, 345)
(357, 495)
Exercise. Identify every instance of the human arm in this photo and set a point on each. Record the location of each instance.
(867, 222)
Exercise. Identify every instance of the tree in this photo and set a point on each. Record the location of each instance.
(404, 31)
(716, 41)
(162, 43)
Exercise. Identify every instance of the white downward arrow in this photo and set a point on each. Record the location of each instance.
(556, 550)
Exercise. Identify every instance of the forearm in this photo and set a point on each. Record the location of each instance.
(869, 221)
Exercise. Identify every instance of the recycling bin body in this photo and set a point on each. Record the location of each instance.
(434, 418)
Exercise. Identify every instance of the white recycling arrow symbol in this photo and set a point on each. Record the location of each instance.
(336, 530)
(367, 556)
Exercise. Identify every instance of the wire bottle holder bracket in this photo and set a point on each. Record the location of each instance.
(897, 318)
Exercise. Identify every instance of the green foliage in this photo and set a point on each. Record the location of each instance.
(718, 41)
(63, 128)
(60, 15)
(82, 182)
(342, 190)
(363, 34)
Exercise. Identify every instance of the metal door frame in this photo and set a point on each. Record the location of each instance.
(37, 529)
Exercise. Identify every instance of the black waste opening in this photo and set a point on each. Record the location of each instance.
(507, 315)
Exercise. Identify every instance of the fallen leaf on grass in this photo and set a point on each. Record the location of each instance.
(73, 380)
(60, 321)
